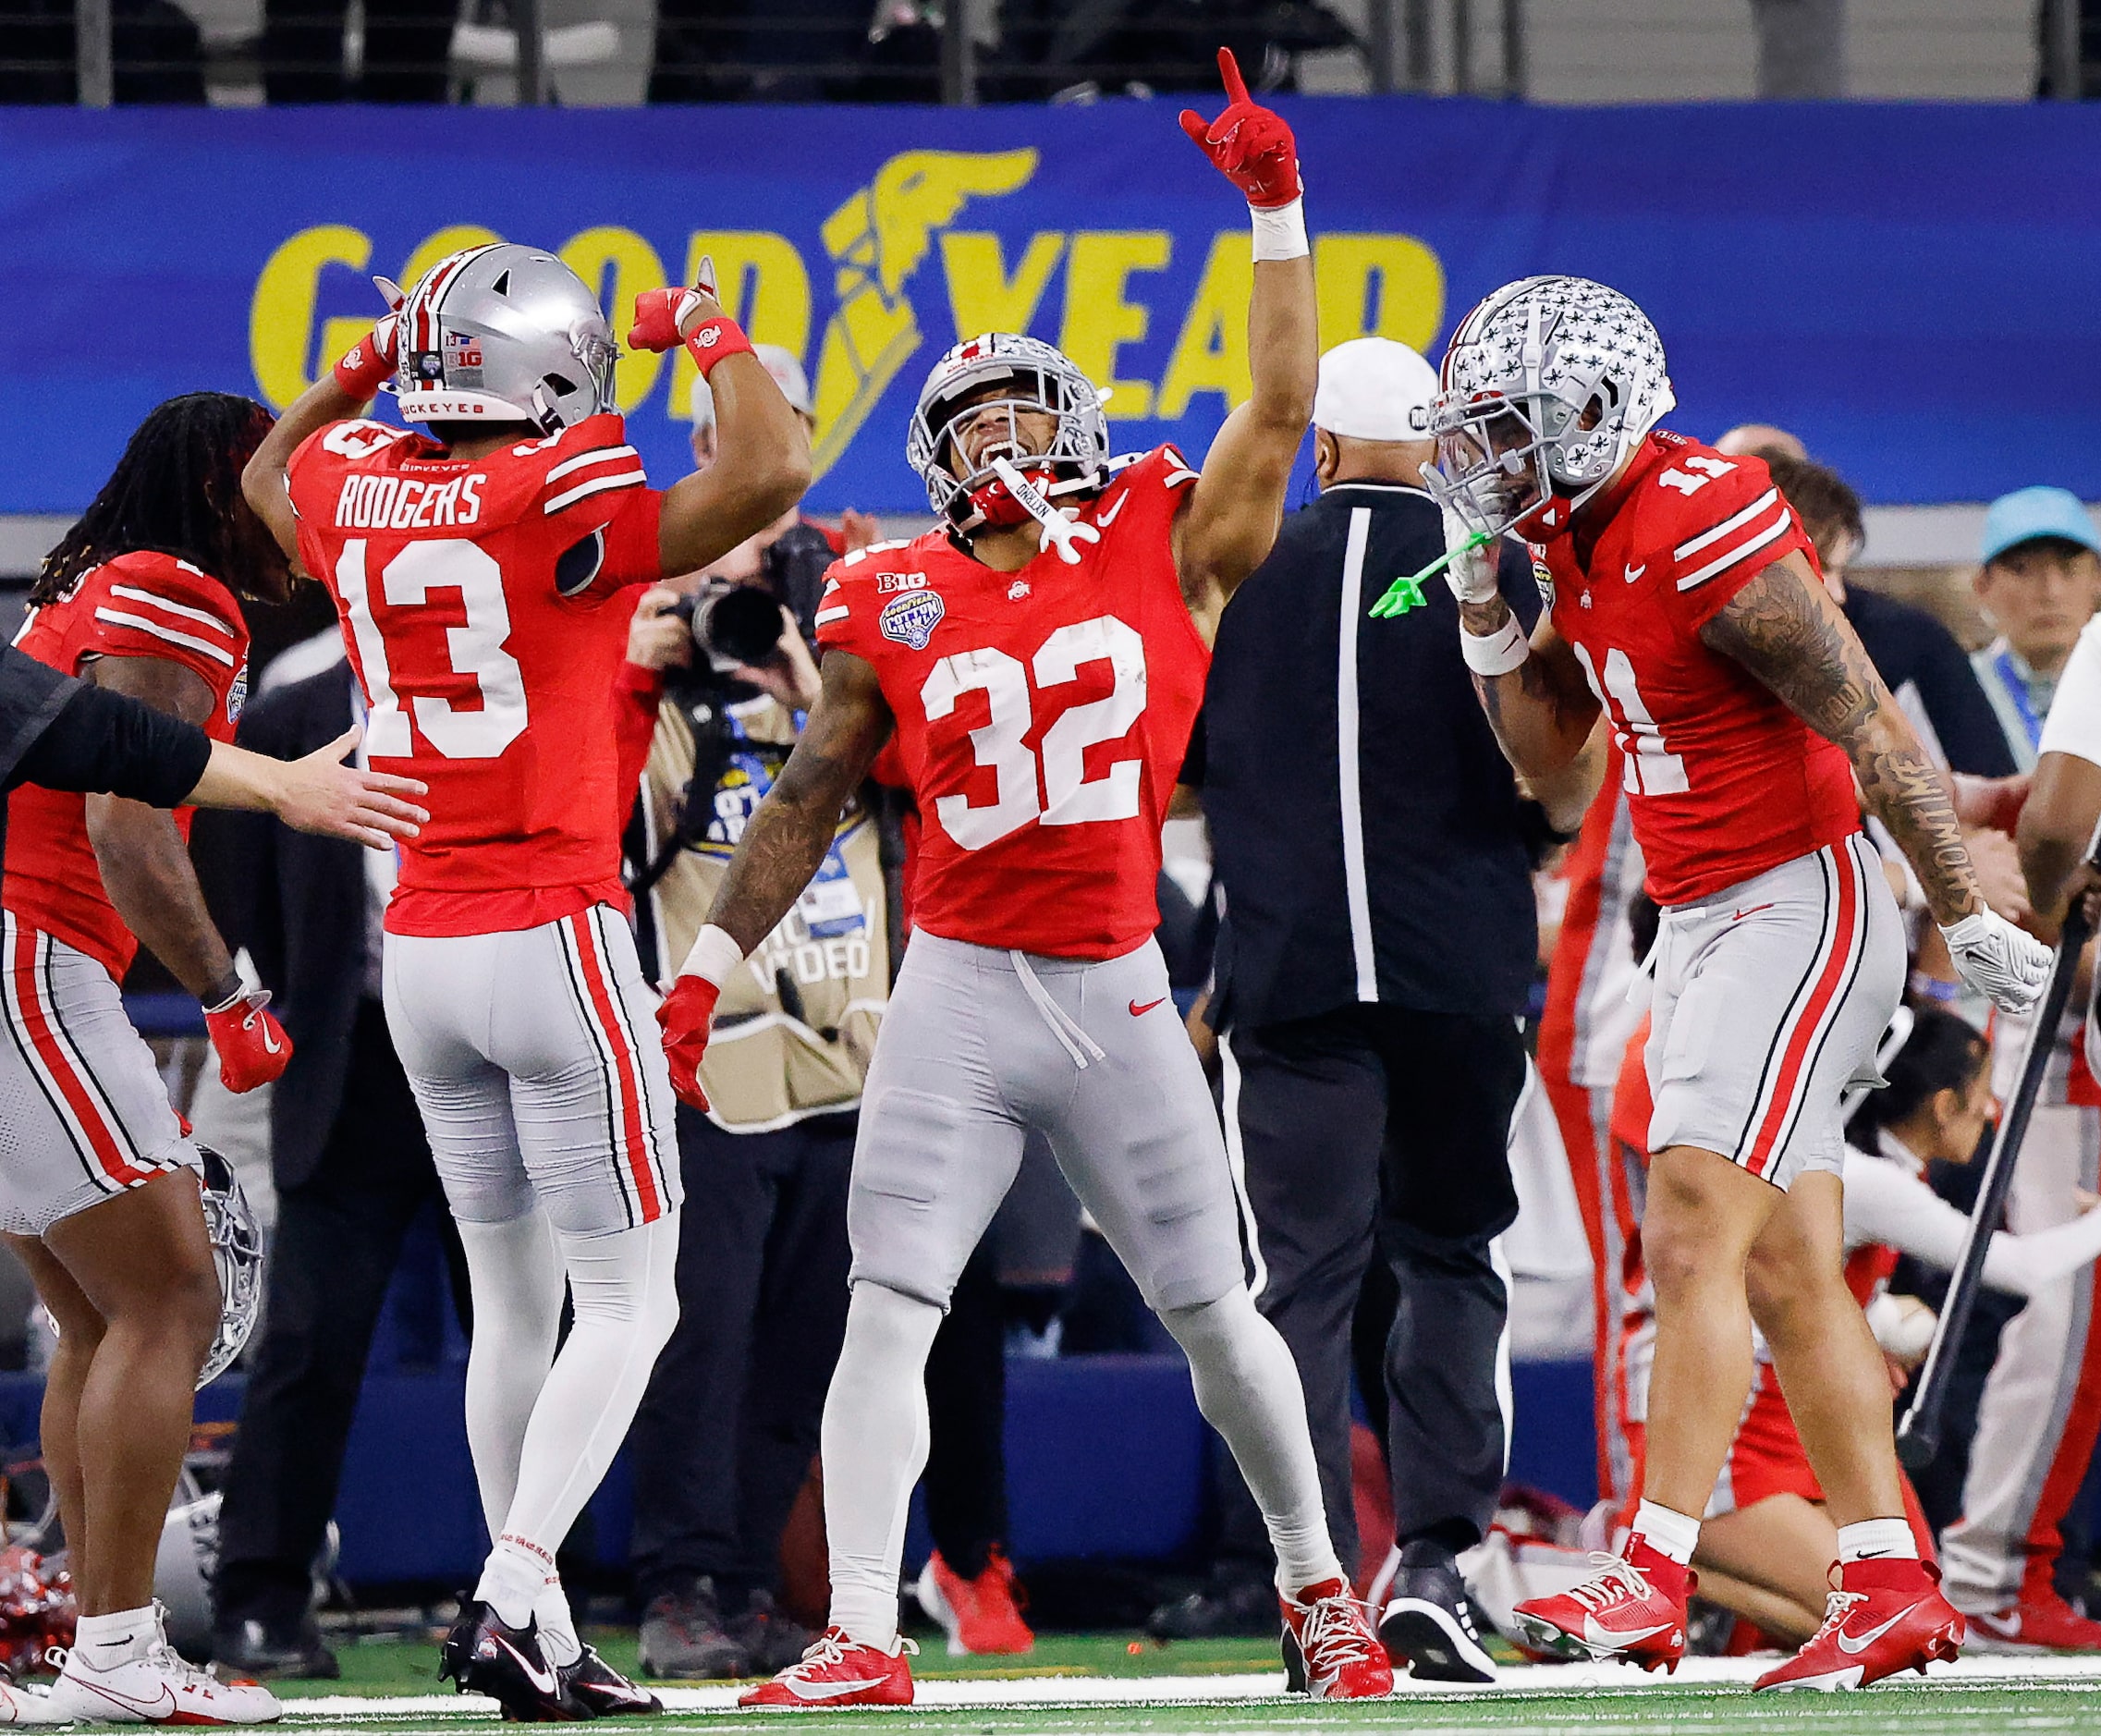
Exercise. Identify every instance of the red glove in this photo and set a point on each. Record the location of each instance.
(252, 1046)
(686, 1014)
(1251, 145)
(373, 358)
(660, 313)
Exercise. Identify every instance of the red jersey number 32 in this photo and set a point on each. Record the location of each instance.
(1052, 784)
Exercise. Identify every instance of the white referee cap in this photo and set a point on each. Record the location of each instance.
(1368, 389)
(788, 374)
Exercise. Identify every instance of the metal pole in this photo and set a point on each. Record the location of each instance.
(1463, 48)
(958, 58)
(95, 59)
(2062, 55)
(1416, 23)
(531, 60)
(1514, 50)
(1379, 44)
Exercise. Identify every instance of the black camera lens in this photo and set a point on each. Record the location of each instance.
(736, 623)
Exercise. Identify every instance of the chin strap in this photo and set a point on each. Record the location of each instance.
(1057, 528)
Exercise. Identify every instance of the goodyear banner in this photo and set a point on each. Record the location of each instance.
(1912, 290)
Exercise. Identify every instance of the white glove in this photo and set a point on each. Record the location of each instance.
(2002, 962)
(1472, 575)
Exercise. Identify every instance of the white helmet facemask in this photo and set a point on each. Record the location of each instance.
(1548, 386)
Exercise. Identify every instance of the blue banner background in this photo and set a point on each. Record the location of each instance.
(1911, 288)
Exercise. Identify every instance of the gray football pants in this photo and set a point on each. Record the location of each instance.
(978, 1047)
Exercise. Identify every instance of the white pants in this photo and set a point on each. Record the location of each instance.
(536, 1061)
(83, 1113)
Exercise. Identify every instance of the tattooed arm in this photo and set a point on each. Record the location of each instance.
(1542, 709)
(784, 843)
(1784, 628)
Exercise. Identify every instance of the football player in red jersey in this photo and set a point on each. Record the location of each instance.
(1687, 604)
(475, 567)
(98, 1192)
(1038, 660)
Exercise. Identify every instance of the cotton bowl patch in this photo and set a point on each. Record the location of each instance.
(912, 618)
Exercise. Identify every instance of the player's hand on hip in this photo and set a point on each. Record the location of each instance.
(251, 1046)
(322, 795)
(2002, 962)
(686, 1015)
(1252, 146)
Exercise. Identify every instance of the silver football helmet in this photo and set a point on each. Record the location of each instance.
(1038, 377)
(1546, 386)
(236, 1250)
(504, 333)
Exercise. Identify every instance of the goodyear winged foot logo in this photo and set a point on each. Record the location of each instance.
(877, 240)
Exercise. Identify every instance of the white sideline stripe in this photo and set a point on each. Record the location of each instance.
(119, 617)
(839, 613)
(1356, 879)
(1714, 535)
(627, 479)
(598, 455)
(1543, 1681)
(134, 595)
(1742, 552)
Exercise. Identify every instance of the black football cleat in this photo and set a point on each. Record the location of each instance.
(483, 1655)
(1428, 1625)
(604, 1692)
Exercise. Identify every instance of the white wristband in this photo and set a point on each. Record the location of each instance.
(715, 954)
(1280, 231)
(1498, 652)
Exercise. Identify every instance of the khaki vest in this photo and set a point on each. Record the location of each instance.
(769, 1064)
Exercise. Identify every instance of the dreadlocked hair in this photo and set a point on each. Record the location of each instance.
(176, 491)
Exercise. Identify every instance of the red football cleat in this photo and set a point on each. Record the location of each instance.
(1633, 1608)
(1330, 1650)
(981, 1615)
(836, 1670)
(2042, 1622)
(1886, 1616)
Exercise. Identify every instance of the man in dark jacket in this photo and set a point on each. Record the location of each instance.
(353, 1171)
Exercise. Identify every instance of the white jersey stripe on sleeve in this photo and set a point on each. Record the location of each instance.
(1685, 551)
(1742, 552)
(597, 455)
(132, 593)
(839, 613)
(117, 617)
(627, 479)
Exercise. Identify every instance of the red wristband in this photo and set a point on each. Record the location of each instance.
(711, 340)
(362, 371)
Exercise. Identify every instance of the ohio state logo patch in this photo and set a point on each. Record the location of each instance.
(911, 620)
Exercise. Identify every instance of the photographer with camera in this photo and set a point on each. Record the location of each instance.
(718, 677)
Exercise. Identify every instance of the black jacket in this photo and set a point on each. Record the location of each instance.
(298, 904)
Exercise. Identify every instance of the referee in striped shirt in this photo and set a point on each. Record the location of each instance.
(1378, 947)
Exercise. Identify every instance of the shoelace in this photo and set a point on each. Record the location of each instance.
(179, 1670)
(1614, 1580)
(1837, 1606)
(824, 1650)
(1333, 1633)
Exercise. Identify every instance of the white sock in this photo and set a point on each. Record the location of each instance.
(1247, 1387)
(875, 1446)
(1867, 1539)
(512, 1578)
(104, 1642)
(626, 1302)
(557, 1628)
(1668, 1533)
(514, 1272)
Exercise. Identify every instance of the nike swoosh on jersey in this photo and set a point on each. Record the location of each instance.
(1598, 1635)
(541, 1678)
(1853, 1646)
(1137, 1012)
(1635, 572)
(1108, 515)
(832, 1690)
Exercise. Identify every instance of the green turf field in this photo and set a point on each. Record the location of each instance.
(1114, 1686)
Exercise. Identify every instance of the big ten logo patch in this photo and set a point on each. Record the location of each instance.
(887, 582)
(892, 252)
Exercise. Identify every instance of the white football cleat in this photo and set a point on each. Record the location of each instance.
(28, 1705)
(158, 1687)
